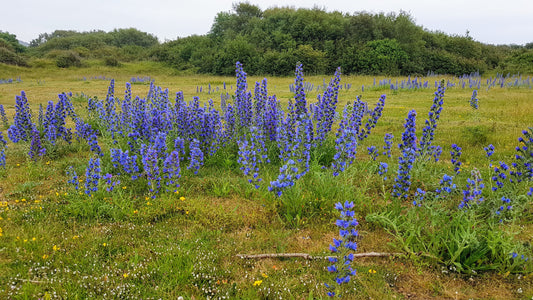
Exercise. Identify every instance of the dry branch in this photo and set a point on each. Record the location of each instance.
(308, 256)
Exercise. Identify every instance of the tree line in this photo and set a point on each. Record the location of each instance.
(272, 41)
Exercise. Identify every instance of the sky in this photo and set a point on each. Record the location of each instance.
(487, 21)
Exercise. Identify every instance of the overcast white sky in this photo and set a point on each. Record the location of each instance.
(488, 21)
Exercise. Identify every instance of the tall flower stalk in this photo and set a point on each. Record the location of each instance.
(342, 250)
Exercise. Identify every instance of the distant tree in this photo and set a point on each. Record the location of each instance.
(238, 49)
(12, 40)
(382, 57)
(132, 37)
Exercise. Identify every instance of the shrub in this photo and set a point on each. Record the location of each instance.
(11, 58)
(111, 61)
(68, 59)
(476, 135)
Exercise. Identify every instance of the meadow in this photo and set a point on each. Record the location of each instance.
(107, 195)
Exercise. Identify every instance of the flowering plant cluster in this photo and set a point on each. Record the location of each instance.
(388, 144)
(408, 154)
(3, 146)
(428, 132)
(252, 153)
(3, 117)
(446, 185)
(456, 154)
(473, 190)
(342, 249)
(499, 175)
(92, 176)
(474, 100)
(523, 164)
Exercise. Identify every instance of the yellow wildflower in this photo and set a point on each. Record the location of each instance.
(264, 275)
(125, 275)
(182, 198)
(257, 282)
(55, 247)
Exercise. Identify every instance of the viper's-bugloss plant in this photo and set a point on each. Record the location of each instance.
(342, 250)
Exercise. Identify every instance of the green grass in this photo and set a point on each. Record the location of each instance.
(59, 243)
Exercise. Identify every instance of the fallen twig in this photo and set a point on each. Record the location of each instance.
(308, 256)
(30, 281)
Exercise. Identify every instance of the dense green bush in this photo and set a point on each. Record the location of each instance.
(67, 59)
(271, 41)
(11, 58)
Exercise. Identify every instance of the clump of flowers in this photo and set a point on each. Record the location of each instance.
(73, 177)
(150, 162)
(109, 182)
(346, 140)
(489, 150)
(523, 164)
(23, 126)
(428, 132)
(375, 114)
(472, 192)
(456, 154)
(383, 168)
(504, 210)
(388, 144)
(342, 250)
(295, 145)
(252, 152)
(171, 170)
(473, 100)
(36, 148)
(3, 146)
(373, 152)
(408, 153)
(446, 185)
(92, 176)
(499, 175)
(196, 156)
(324, 110)
(419, 197)
(3, 116)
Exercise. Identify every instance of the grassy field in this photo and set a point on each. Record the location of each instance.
(57, 242)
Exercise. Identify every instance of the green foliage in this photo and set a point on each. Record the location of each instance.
(382, 57)
(11, 39)
(111, 61)
(10, 57)
(476, 135)
(112, 47)
(461, 240)
(10, 50)
(67, 59)
(520, 61)
(271, 41)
